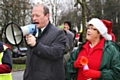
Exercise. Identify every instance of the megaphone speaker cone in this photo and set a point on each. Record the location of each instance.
(13, 33)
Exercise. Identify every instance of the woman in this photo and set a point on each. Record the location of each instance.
(103, 57)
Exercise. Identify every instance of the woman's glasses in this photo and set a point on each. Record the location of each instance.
(90, 28)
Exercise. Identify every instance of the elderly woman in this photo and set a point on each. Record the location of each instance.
(103, 57)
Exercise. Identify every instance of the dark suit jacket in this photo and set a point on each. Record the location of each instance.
(45, 60)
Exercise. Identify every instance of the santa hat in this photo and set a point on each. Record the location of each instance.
(77, 36)
(100, 27)
(108, 24)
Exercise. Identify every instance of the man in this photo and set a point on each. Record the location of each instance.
(45, 54)
(5, 63)
(69, 34)
(69, 41)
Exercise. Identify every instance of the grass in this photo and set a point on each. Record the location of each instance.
(19, 63)
(17, 67)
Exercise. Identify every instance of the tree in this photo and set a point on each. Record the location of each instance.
(83, 5)
(109, 10)
(103, 9)
(14, 10)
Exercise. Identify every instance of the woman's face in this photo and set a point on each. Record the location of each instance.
(92, 33)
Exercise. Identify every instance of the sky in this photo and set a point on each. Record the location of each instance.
(35, 1)
(65, 4)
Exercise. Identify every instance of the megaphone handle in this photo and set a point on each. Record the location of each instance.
(25, 40)
(85, 67)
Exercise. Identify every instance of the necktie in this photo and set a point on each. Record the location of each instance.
(39, 32)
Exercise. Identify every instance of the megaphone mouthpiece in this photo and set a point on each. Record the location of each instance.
(29, 29)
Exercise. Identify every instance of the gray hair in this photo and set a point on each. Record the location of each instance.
(45, 8)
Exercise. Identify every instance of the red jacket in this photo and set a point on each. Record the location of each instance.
(6, 66)
(94, 56)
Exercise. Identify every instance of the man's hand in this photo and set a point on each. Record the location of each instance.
(31, 40)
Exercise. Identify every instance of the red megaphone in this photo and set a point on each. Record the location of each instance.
(83, 60)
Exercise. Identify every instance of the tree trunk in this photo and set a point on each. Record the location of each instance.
(84, 20)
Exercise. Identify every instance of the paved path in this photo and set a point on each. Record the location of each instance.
(18, 75)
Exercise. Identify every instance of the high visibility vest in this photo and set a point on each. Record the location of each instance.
(5, 76)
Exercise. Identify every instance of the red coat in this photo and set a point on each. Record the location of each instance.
(94, 56)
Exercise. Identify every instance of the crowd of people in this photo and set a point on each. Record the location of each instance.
(50, 54)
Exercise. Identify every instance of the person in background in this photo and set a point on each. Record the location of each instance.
(5, 62)
(74, 32)
(76, 41)
(69, 40)
(103, 56)
(45, 53)
(69, 34)
(119, 43)
(61, 27)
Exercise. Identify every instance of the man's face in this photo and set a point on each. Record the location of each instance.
(66, 26)
(39, 17)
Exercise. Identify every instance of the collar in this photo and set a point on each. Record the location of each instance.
(99, 45)
(42, 29)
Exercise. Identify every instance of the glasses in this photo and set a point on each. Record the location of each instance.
(91, 29)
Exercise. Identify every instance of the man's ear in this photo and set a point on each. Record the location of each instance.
(47, 16)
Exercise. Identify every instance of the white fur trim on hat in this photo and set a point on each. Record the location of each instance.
(100, 27)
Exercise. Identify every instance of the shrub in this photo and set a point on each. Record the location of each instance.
(19, 60)
(18, 67)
